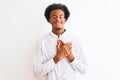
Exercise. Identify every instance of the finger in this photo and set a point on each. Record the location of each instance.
(58, 45)
(68, 48)
(67, 45)
(61, 43)
(69, 52)
(58, 41)
(70, 43)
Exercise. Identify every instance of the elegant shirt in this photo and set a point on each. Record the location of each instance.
(44, 66)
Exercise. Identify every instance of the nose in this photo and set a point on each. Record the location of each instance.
(57, 19)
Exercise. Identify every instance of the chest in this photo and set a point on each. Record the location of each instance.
(49, 49)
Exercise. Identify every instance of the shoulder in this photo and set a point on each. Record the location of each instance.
(73, 37)
(43, 38)
(76, 40)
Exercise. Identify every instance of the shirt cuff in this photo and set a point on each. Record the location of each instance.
(74, 61)
(52, 62)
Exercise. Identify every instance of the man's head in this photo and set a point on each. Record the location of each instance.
(56, 15)
(54, 6)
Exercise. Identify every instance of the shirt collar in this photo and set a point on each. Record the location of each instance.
(58, 36)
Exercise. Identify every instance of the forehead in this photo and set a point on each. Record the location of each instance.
(57, 12)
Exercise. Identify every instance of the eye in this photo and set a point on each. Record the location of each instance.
(61, 16)
(54, 16)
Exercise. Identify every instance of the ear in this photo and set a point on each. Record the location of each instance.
(49, 20)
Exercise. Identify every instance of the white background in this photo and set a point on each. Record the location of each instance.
(95, 22)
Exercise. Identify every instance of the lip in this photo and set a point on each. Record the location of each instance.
(57, 23)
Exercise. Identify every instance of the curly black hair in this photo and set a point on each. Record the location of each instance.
(56, 6)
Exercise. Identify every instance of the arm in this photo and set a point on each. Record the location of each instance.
(79, 63)
(40, 67)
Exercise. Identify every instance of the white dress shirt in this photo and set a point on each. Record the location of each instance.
(44, 66)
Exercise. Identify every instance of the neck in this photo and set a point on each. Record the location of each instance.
(58, 31)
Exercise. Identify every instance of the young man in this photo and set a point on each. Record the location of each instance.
(58, 54)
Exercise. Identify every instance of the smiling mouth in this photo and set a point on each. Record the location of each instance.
(57, 22)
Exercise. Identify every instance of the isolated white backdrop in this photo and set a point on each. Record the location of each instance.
(95, 22)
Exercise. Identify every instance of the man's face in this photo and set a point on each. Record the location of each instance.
(57, 19)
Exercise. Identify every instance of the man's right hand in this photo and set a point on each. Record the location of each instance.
(62, 50)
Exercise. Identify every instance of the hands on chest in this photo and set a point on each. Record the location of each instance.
(64, 50)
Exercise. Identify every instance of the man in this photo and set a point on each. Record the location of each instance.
(58, 54)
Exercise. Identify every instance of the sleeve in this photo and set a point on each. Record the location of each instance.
(79, 63)
(41, 68)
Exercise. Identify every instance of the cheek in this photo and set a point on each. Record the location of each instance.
(64, 21)
(50, 21)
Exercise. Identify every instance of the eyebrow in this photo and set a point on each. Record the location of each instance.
(59, 15)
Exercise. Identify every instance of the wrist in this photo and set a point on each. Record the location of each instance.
(71, 60)
(70, 57)
(56, 60)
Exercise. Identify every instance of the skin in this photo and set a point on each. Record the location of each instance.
(57, 20)
(64, 50)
